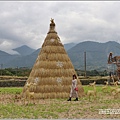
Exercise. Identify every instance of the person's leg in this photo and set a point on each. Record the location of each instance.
(76, 96)
(70, 96)
(69, 99)
(76, 99)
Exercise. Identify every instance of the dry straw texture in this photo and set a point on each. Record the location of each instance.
(53, 70)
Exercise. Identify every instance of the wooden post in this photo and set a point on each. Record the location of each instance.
(85, 62)
(1, 68)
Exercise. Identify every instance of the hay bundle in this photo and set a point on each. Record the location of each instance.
(67, 88)
(39, 89)
(39, 95)
(53, 70)
(58, 95)
(53, 95)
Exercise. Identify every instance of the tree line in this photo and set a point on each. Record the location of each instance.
(92, 73)
(24, 71)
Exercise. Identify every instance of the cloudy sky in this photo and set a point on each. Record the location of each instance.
(27, 23)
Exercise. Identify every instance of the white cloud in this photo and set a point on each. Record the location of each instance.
(28, 22)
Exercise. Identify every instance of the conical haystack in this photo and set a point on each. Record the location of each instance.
(53, 70)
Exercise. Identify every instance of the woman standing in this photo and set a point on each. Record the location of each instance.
(74, 89)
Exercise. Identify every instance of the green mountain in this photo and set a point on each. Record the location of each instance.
(5, 57)
(24, 50)
(23, 61)
(96, 55)
(69, 46)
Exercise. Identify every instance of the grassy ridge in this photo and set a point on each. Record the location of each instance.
(98, 89)
(14, 90)
(10, 90)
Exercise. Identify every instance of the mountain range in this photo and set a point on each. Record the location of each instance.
(96, 55)
(24, 50)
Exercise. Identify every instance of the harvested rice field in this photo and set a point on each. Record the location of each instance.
(59, 108)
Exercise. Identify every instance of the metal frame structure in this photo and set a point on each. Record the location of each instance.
(115, 60)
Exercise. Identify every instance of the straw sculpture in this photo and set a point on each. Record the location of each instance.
(52, 71)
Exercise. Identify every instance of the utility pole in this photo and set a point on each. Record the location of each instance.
(85, 62)
(1, 68)
(16, 70)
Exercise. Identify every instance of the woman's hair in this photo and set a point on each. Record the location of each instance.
(74, 76)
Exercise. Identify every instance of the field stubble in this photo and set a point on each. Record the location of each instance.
(57, 108)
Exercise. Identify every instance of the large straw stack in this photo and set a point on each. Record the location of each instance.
(53, 70)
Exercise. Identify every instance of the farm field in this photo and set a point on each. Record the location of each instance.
(58, 108)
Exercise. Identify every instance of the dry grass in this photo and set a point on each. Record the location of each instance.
(58, 108)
